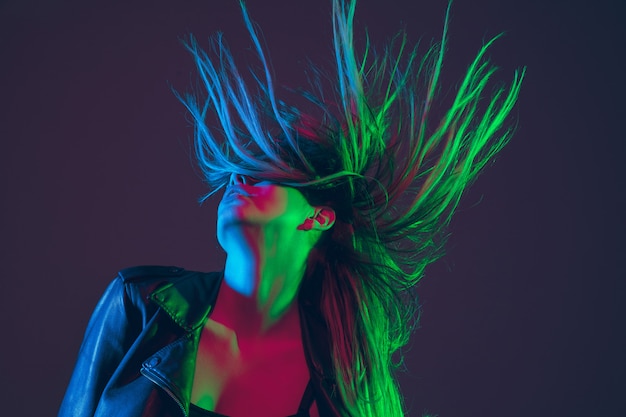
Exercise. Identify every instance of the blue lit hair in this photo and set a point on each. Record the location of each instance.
(393, 175)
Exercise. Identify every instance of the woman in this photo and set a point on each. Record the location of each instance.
(328, 220)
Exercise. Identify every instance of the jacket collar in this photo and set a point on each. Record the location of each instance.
(189, 299)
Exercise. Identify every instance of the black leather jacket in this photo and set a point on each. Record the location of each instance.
(139, 351)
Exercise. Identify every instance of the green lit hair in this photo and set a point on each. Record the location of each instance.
(393, 175)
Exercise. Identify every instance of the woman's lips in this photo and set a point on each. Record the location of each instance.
(233, 191)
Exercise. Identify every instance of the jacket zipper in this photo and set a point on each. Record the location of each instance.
(161, 384)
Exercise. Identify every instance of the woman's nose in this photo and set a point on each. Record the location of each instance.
(236, 179)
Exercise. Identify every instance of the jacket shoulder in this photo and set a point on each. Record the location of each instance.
(187, 296)
(150, 273)
(141, 283)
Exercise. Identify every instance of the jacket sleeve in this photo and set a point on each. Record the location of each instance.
(104, 345)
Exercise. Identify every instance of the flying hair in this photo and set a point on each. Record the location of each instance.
(393, 171)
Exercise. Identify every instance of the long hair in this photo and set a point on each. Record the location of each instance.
(372, 152)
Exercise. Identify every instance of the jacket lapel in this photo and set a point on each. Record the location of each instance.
(190, 299)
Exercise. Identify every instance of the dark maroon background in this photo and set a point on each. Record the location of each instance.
(525, 315)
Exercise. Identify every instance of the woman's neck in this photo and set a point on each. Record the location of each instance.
(261, 279)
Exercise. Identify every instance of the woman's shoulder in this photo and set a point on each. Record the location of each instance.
(183, 293)
(143, 273)
(148, 279)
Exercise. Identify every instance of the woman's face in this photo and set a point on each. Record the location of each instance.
(248, 201)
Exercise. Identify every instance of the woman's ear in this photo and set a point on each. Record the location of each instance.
(323, 219)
